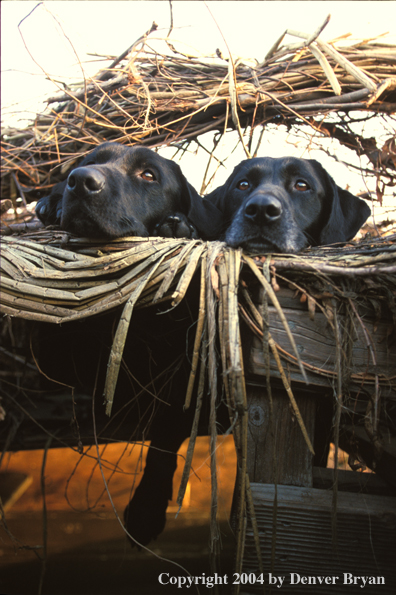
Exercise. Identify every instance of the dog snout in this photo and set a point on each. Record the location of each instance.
(86, 181)
(263, 209)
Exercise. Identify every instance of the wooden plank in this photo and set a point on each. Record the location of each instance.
(316, 346)
(352, 481)
(291, 457)
(366, 545)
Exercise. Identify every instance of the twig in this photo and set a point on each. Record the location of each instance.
(319, 30)
(45, 518)
(357, 73)
(275, 302)
(232, 87)
(124, 54)
(337, 421)
(194, 429)
(198, 335)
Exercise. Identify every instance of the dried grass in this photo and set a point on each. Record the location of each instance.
(156, 99)
(46, 279)
(54, 277)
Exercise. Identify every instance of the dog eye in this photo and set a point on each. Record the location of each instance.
(301, 186)
(148, 176)
(243, 185)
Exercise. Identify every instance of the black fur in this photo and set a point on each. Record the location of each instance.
(128, 191)
(285, 205)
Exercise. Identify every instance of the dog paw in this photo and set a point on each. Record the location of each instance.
(49, 210)
(145, 517)
(176, 226)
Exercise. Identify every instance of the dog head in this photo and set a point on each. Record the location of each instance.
(117, 191)
(285, 205)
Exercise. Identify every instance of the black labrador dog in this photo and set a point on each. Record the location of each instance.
(132, 191)
(285, 205)
(121, 191)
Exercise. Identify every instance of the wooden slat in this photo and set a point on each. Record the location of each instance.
(366, 544)
(316, 345)
(292, 460)
(352, 481)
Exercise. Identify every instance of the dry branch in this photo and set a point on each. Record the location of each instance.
(157, 99)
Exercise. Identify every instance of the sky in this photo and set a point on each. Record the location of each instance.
(109, 27)
(58, 35)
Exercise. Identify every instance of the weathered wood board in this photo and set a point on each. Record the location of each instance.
(316, 346)
(350, 481)
(366, 543)
(366, 523)
(267, 440)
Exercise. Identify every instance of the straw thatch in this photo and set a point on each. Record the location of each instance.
(157, 99)
(53, 277)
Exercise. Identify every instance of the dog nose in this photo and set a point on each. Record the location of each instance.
(263, 209)
(85, 181)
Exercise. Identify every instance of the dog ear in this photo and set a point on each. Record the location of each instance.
(346, 213)
(217, 197)
(202, 213)
(49, 208)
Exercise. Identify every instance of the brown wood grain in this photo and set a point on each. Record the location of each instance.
(290, 460)
(316, 345)
(366, 544)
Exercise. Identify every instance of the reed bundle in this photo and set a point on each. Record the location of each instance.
(53, 277)
(151, 98)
